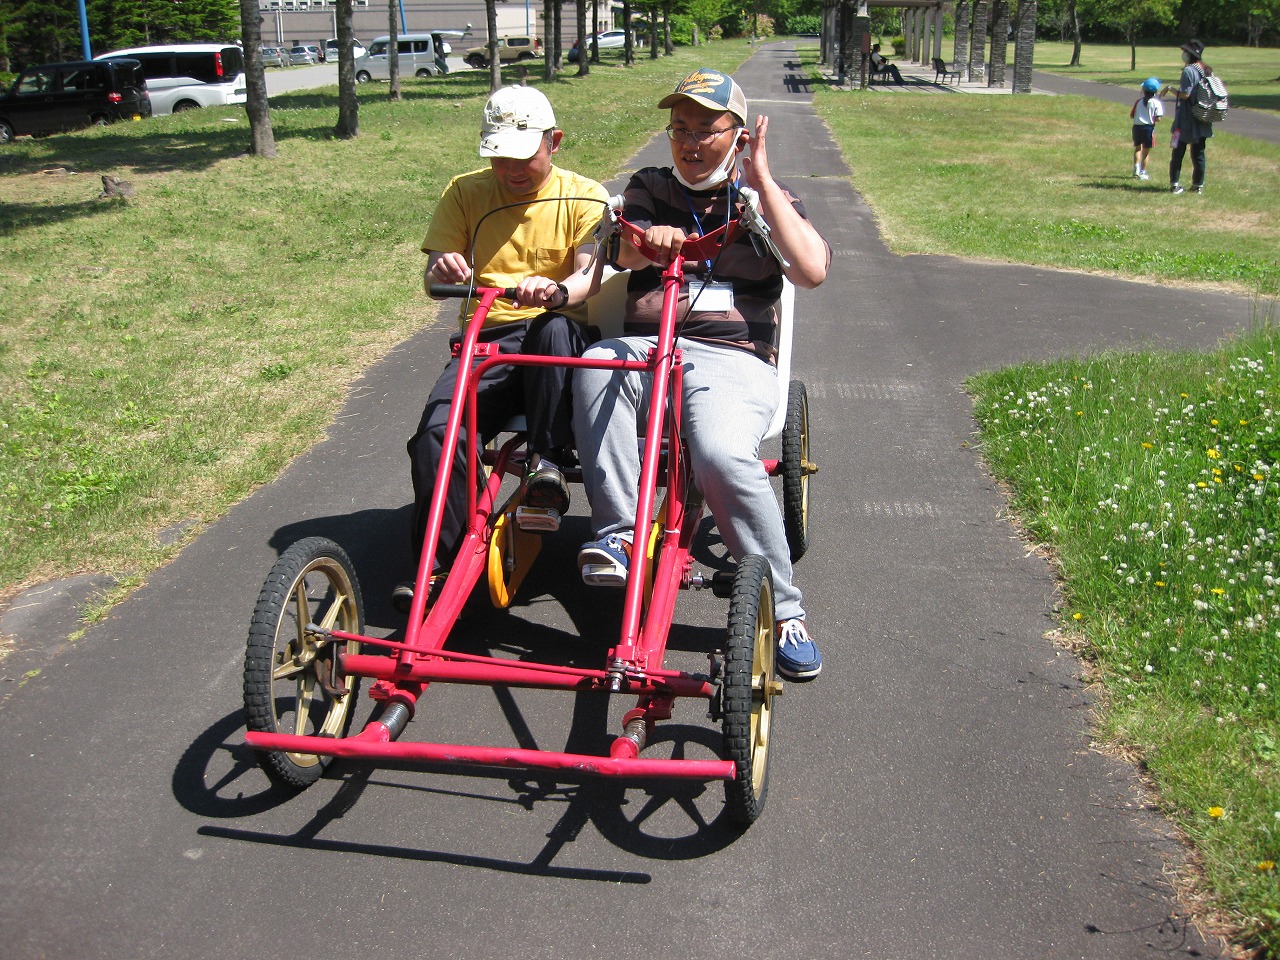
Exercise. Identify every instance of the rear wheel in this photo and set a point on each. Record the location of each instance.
(292, 679)
(182, 106)
(796, 469)
(363, 77)
(749, 686)
(525, 56)
(6, 131)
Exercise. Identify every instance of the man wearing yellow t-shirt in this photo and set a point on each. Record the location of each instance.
(522, 223)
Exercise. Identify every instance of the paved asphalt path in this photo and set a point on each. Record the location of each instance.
(934, 793)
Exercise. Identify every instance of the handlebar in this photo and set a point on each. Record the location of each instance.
(443, 291)
(706, 247)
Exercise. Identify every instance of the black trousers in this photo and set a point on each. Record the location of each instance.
(1197, 162)
(542, 394)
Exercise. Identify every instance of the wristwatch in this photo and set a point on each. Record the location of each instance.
(564, 296)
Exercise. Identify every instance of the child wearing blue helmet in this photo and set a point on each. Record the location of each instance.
(1146, 113)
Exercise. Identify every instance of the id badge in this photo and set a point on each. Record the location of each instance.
(712, 298)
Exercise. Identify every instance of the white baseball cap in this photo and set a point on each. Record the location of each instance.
(515, 118)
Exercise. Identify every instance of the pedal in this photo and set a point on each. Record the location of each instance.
(537, 519)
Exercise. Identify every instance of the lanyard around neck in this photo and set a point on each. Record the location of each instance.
(697, 221)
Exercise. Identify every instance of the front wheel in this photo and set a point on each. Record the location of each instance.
(363, 77)
(6, 132)
(293, 682)
(796, 468)
(750, 684)
(477, 61)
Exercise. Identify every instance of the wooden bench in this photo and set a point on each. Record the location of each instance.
(940, 71)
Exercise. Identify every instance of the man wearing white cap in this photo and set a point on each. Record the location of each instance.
(728, 338)
(525, 223)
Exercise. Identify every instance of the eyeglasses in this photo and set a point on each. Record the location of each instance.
(701, 137)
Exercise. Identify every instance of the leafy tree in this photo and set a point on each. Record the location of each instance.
(707, 13)
(1130, 16)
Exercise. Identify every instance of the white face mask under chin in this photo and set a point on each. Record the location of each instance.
(712, 180)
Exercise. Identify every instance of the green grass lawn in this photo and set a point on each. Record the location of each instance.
(1252, 74)
(1049, 181)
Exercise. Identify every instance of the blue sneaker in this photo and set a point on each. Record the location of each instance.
(604, 562)
(798, 657)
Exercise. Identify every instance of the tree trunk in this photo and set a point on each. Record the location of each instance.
(595, 28)
(549, 37)
(393, 52)
(584, 68)
(1073, 17)
(629, 51)
(348, 127)
(495, 65)
(653, 32)
(262, 137)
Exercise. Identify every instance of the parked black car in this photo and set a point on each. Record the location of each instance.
(66, 96)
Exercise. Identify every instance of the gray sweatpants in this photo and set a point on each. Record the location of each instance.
(729, 398)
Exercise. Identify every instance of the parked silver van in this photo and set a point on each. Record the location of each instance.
(421, 55)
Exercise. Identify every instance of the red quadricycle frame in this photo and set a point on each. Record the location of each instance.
(307, 651)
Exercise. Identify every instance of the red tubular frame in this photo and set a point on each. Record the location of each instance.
(633, 666)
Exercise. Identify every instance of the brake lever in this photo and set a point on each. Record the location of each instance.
(755, 223)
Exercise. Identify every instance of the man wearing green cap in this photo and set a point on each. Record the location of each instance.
(728, 339)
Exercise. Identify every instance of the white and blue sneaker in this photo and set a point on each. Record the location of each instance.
(798, 657)
(604, 562)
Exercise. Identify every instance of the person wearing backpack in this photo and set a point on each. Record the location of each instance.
(1188, 132)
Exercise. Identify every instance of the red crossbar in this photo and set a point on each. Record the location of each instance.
(509, 757)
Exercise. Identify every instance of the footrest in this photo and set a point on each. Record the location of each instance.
(537, 519)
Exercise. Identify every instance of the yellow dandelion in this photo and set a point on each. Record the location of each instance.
(1077, 616)
(1213, 453)
(1079, 413)
(1244, 423)
(1201, 484)
(1218, 590)
(1160, 583)
(1216, 812)
(1257, 476)
(1266, 866)
(1183, 396)
(1147, 445)
(1214, 422)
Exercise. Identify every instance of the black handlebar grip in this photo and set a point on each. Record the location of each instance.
(442, 290)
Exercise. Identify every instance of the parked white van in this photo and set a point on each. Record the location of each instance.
(421, 55)
(183, 76)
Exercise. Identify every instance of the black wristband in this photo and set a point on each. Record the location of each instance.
(564, 296)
